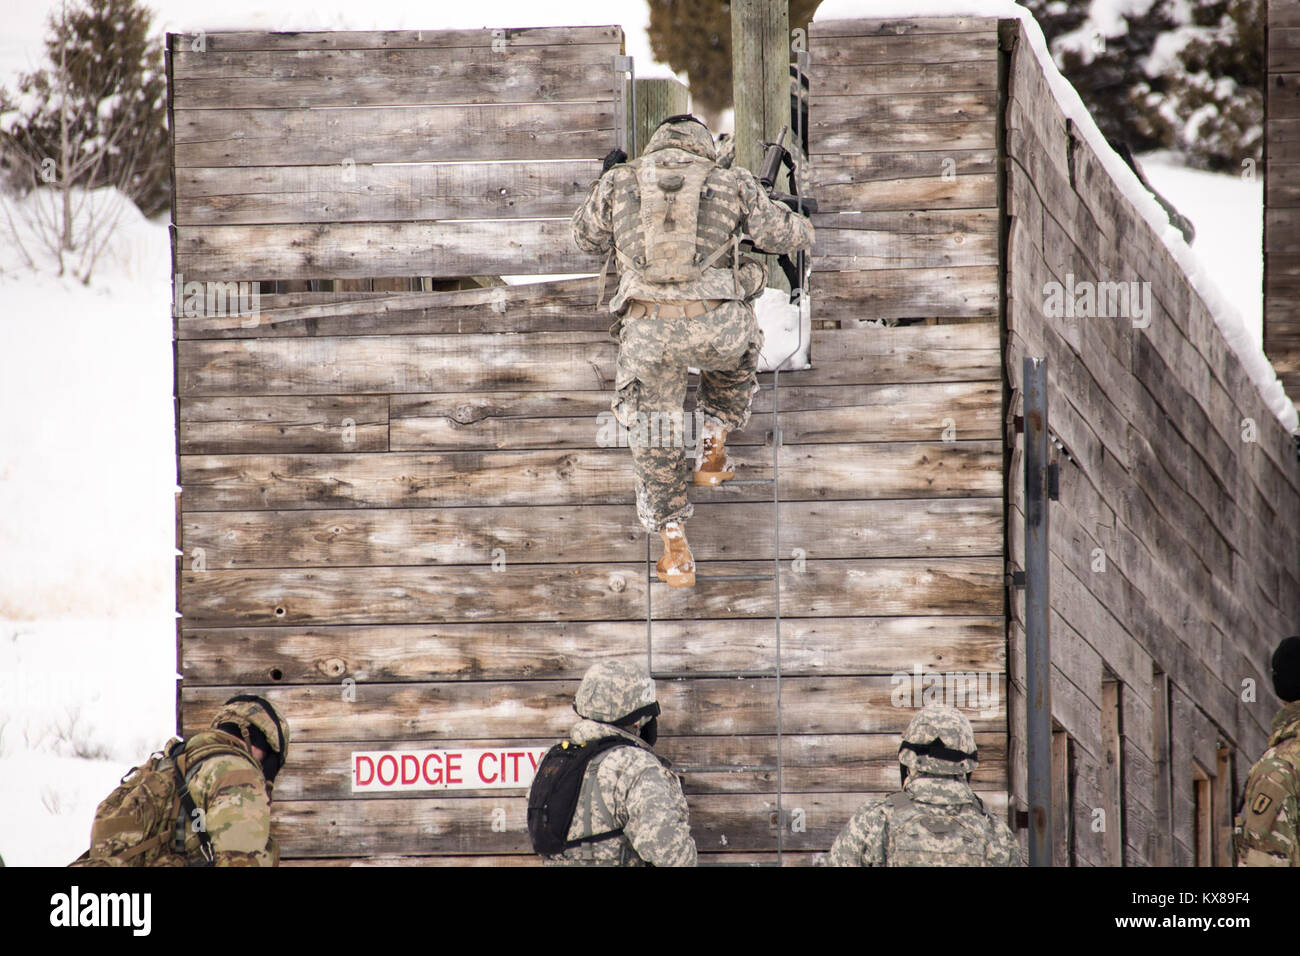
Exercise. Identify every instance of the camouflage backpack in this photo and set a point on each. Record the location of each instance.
(673, 217)
(921, 834)
(145, 821)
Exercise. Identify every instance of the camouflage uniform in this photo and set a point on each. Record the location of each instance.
(936, 819)
(140, 823)
(235, 802)
(1268, 827)
(624, 787)
(723, 343)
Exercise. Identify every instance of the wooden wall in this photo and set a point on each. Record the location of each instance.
(1174, 542)
(1282, 193)
(903, 145)
(462, 552)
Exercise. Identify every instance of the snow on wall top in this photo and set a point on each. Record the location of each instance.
(1226, 315)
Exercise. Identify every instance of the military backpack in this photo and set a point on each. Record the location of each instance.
(921, 834)
(553, 796)
(147, 819)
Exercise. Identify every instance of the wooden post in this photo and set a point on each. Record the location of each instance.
(760, 70)
(656, 100)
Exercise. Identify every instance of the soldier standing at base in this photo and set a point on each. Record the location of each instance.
(630, 810)
(674, 219)
(936, 819)
(1268, 823)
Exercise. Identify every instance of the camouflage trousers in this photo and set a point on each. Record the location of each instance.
(650, 388)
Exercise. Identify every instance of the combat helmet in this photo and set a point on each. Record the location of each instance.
(256, 721)
(938, 741)
(619, 693)
(683, 131)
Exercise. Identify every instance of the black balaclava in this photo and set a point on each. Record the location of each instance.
(1286, 670)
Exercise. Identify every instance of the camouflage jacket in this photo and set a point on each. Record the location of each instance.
(772, 226)
(627, 787)
(932, 821)
(234, 804)
(1268, 827)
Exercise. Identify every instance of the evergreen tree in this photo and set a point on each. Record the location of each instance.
(1182, 74)
(105, 91)
(694, 37)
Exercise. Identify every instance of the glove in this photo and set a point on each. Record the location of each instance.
(612, 159)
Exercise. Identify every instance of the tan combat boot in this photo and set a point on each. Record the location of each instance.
(712, 465)
(677, 567)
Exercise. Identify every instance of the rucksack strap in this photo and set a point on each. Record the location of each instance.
(594, 838)
(188, 809)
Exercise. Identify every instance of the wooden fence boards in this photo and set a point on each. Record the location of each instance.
(408, 496)
(903, 130)
(1173, 540)
(1282, 193)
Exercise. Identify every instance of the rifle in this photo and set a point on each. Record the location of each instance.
(775, 155)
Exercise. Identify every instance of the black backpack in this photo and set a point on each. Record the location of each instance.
(553, 797)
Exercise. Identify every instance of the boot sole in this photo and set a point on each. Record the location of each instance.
(679, 580)
(712, 477)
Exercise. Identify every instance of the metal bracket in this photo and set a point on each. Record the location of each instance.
(1054, 481)
(1017, 579)
(627, 105)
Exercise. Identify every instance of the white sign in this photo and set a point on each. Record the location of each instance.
(501, 768)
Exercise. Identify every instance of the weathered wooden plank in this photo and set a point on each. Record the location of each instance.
(1283, 14)
(731, 822)
(395, 363)
(1282, 93)
(580, 476)
(891, 413)
(236, 41)
(919, 164)
(366, 250)
(286, 137)
(829, 80)
(1032, 105)
(309, 79)
(567, 592)
(565, 649)
(912, 26)
(907, 293)
(930, 192)
(863, 138)
(1283, 46)
(913, 222)
(873, 111)
(830, 763)
(851, 250)
(313, 423)
(555, 360)
(474, 710)
(586, 533)
(564, 305)
(908, 48)
(471, 407)
(235, 195)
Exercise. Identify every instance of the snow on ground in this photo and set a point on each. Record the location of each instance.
(87, 626)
